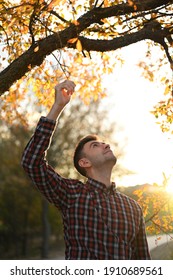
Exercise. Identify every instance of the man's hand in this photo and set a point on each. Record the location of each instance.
(63, 93)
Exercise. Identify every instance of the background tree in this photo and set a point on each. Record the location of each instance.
(157, 207)
(20, 206)
(79, 36)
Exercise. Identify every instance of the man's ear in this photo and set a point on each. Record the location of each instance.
(84, 162)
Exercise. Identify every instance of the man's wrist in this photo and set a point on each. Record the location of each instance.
(55, 111)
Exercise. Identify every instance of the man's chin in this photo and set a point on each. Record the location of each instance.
(113, 159)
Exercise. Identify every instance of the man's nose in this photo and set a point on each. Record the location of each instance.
(106, 146)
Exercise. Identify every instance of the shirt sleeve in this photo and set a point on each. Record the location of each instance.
(142, 249)
(58, 190)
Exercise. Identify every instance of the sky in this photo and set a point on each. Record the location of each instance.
(148, 151)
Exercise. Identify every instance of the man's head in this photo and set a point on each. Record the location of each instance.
(91, 152)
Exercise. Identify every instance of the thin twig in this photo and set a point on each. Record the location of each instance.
(62, 66)
(58, 16)
(95, 5)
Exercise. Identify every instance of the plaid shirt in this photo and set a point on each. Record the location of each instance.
(99, 222)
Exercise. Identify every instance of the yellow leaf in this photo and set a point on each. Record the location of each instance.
(73, 40)
(75, 22)
(167, 90)
(79, 46)
(163, 79)
(91, 3)
(159, 238)
(78, 59)
(106, 3)
(36, 49)
(52, 4)
(12, 22)
(130, 2)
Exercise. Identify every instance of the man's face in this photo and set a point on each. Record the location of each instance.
(99, 153)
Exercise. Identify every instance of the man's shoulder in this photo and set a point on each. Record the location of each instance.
(73, 183)
(128, 199)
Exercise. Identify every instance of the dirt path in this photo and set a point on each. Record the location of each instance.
(163, 252)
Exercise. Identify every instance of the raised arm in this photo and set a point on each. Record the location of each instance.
(51, 184)
(63, 94)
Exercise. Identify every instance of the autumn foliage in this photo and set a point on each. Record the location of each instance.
(157, 208)
(45, 41)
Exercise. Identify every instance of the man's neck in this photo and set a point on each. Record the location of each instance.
(103, 177)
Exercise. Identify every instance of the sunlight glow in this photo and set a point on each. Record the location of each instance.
(169, 187)
(148, 152)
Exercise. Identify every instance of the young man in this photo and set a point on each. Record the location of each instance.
(99, 222)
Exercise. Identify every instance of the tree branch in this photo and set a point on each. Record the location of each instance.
(163, 229)
(157, 212)
(157, 36)
(35, 55)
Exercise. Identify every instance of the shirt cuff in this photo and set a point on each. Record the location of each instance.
(46, 125)
(45, 119)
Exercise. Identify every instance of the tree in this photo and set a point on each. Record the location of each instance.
(73, 32)
(20, 206)
(157, 207)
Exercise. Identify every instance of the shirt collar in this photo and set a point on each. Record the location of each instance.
(100, 186)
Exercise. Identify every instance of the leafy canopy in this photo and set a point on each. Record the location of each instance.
(44, 41)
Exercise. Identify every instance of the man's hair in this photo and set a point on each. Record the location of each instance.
(78, 153)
